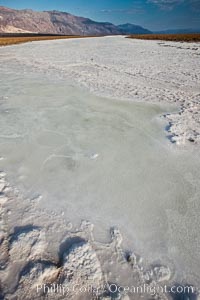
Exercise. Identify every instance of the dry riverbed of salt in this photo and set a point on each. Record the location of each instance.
(71, 156)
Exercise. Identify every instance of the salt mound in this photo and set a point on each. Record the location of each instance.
(82, 258)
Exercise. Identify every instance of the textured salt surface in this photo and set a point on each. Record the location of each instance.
(150, 71)
(91, 158)
(71, 264)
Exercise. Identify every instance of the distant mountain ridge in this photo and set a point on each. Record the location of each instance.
(177, 31)
(133, 29)
(56, 22)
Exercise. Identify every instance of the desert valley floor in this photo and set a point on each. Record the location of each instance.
(99, 160)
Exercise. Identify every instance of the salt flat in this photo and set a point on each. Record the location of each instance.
(90, 156)
(121, 68)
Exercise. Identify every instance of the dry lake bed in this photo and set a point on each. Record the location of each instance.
(99, 160)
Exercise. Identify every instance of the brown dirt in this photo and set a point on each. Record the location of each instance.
(5, 41)
(190, 37)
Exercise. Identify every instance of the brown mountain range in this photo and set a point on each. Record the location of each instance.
(55, 22)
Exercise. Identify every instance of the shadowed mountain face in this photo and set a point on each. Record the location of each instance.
(55, 22)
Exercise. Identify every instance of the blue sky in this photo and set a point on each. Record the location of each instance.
(153, 14)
